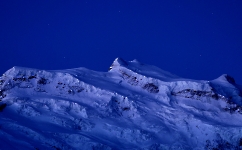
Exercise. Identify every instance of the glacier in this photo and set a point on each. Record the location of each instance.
(132, 106)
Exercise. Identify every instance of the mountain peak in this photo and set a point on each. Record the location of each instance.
(118, 62)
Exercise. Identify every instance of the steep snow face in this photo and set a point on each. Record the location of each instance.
(132, 106)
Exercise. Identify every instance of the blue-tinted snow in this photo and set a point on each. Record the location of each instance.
(132, 106)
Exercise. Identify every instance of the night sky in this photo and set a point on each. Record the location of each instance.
(192, 39)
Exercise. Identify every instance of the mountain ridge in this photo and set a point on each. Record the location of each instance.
(132, 106)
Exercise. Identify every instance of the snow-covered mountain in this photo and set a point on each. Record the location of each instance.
(132, 106)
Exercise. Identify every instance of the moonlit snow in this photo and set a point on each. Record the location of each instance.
(132, 106)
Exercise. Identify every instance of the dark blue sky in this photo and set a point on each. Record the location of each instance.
(193, 39)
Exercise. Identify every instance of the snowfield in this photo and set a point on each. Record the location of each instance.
(132, 106)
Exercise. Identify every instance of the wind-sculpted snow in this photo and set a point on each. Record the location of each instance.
(132, 106)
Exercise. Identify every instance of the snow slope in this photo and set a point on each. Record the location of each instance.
(132, 106)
